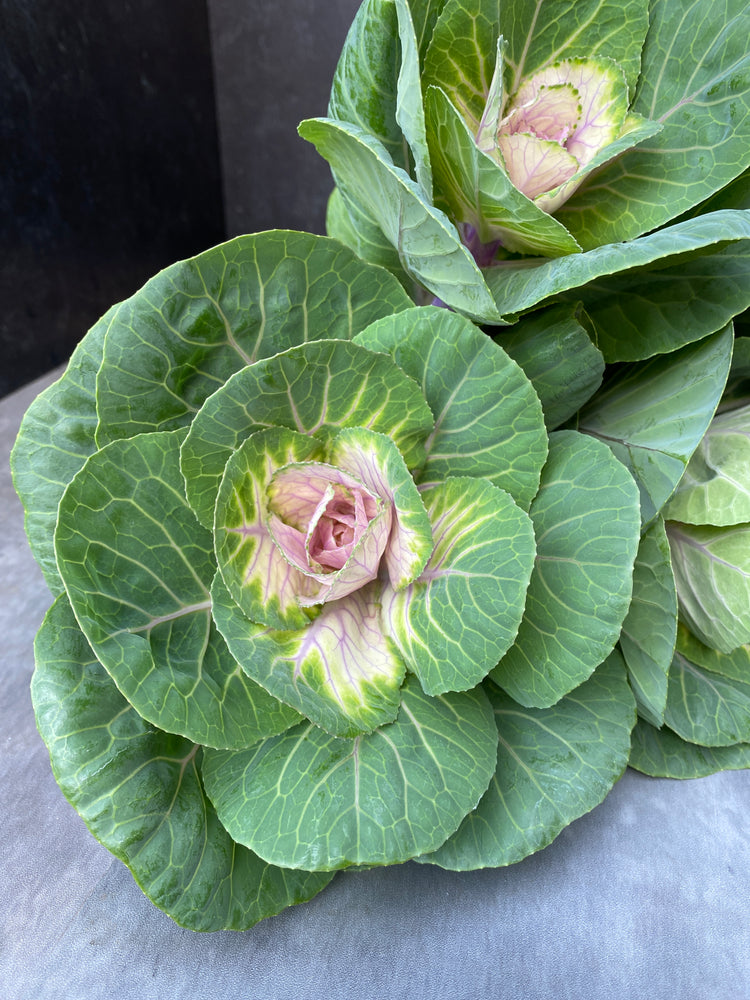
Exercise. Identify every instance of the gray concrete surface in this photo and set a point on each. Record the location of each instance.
(647, 896)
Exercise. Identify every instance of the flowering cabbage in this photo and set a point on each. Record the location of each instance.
(302, 587)
(493, 137)
(341, 581)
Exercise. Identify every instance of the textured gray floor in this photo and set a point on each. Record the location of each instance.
(648, 896)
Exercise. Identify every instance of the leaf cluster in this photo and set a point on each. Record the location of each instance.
(565, 590)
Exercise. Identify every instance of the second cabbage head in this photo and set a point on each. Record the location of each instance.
(494, 153)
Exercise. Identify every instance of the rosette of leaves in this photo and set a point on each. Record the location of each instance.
(501, 155)
(328, 592)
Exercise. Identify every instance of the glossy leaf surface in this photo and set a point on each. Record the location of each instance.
(554, 765)
(716, 486)
(321, 802)
(650, 628)
(662, 754)
(705, 707)
(658, 309)
(140, 793)
(654, 414)
(586, 523)
(712, 571)
(488, 420)
(459, 617)
(554, 349)
(55, 439)
(187, 330)
(518, 285)
(137, 567)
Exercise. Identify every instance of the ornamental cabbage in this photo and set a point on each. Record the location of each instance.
(340, 581)
(500, 154)
(309, 581)
(708, 525)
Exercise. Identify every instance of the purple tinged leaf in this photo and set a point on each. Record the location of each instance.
(350, 652)
(318, 512)
(557, 122)
(339, 522)
(376, 461)
(265, 584)
(535, 165)
(340, 670)
(551, 111)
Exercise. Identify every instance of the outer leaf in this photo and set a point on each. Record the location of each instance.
(654, 309)
(256, 574)
(736, 194)
(454, 623)
(428, 245)
(654, 414)
(553, 766)
(662, 754)
(544, 32)
(586, 522)
(377, 86)
(461, 55)
(712, 572)
(695, 80)
(735, 665)
(139, 792)
(705, 707)
(424, 14)
(556, 353)
(716, 486)
(341, 671)
(410, 110)
(323, 803)
(137, 567)
(518, 285)
(55, 439)
(473, 188)
(488, 420)
(650, 628)
(188, 329)
(355, 228)
(363, 91)
(316, 389)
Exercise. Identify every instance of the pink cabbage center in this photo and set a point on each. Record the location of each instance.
(329, 526)
(341, 518)
(557, 122)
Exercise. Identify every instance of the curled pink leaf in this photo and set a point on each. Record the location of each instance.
(329, 526)
(557, 122)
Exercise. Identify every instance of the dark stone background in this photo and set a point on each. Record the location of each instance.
(120, 125)
(273, 67)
